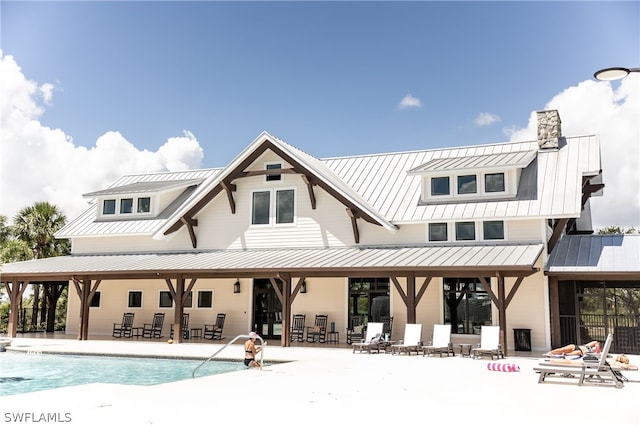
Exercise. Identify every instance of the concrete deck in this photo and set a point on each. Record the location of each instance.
(324, 386)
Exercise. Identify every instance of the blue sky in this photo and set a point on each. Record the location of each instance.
(327, 77)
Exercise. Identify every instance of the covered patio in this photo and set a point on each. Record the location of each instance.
(410, 268)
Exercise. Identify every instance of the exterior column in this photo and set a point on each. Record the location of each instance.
(15, 289)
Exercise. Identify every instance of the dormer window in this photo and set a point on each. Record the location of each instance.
(440, 186)
(472, 178)
(126, 206)
(144, 205)
(109, 207)
(494, 182)
(467, 184)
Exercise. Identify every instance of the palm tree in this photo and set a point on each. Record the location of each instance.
(36, 226)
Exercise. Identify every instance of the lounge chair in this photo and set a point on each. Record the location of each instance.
(581, 372)
(124, 328)
(412, 341)
(356, 330)
(441, 343)
(489, 343)
(153, 330)
(297, 328)
(318, 333)
(185, 327)
(373, 339)
(214, 331)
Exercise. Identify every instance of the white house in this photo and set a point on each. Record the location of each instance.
(460, 236)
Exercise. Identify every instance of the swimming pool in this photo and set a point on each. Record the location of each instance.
(24, 372)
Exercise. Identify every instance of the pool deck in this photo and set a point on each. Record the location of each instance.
(324, 385)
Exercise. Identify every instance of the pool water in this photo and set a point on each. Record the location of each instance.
(23, 372)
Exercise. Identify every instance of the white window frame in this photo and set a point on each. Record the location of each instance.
(134, 207)
(272, 206)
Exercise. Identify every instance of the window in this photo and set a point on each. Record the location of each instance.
(467, 184)
(493, 230)
(284, 206)
(369, 298)
(465, 231)
(135, 299)
(494, 182)
(467, 305)
(260, 210)
(109, 207)
(126, 205)
(144, 205)
(205, 299)
(166, 300)
(440, 186)
(438, 232)
(274, 166)
(95, 300)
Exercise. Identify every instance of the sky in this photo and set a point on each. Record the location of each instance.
(90, 91)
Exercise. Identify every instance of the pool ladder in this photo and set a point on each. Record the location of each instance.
(239, 336)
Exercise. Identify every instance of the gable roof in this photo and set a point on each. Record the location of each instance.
(381, 187)
(314, 169)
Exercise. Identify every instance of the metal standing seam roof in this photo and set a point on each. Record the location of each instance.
(383, 181)
(380, 185)
(501, 160)
(591, 254)
(326, 262)
(87, 225)
(145, 187)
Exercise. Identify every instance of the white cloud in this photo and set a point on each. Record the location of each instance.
(612, 113)
(486, 119)
(38, 163)
(409, 102)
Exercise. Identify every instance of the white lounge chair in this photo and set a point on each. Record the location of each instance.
(580, 372)
(412, 341)
(489, 343)
(441, 343)
(372, 340)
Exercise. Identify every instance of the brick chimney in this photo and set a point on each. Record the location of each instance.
(549, 131)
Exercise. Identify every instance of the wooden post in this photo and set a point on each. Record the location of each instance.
(15, 289)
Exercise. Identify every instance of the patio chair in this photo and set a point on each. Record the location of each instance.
(297, 328)
(356, 330)
(124, 328)
(154, 330)
(185, 327)
(489, 343)
(319, 330)
(373, 339)
(441, 342)
(412, 340)
(580, 372)
(214, 331)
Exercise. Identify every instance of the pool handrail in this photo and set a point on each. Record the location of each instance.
(239, 336)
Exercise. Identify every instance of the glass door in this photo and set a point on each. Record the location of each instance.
(267, 309)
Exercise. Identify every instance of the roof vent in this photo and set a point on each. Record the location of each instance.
(549, 131)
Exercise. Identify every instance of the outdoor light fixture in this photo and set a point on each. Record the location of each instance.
(236, 286)
(303, 287)
(609, 74)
